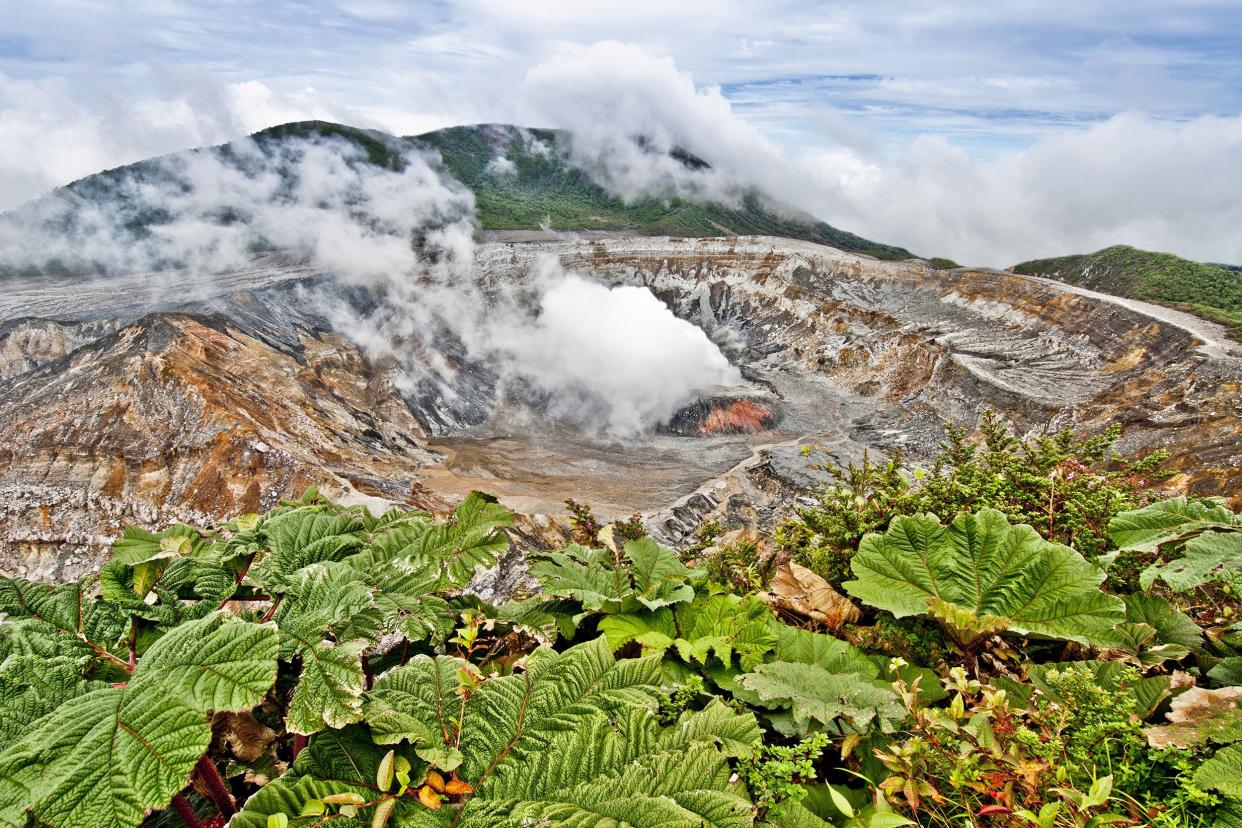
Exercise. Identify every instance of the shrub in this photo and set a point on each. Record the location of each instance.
(1068, 488)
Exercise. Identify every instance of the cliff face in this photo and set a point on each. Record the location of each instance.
(119, 407)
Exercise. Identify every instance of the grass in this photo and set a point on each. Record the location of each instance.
(1210, 291)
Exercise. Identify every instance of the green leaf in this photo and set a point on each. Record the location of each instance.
(982, 569)
(61, 619)
(724, 625)
(1223, 772)
(453, 550)
(1169, 522)
(441, 756)
(334, 762)
(1228, 671)
(818, 698)
(138, 546)
(417, 702)
(656, 630)
(32, 686)
(1210, 556)
(306, 536)
(106, 758)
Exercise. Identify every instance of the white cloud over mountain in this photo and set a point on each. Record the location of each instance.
(986, 133)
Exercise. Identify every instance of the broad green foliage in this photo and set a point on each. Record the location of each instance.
(980, 575)
(107, 757)
(646, 575)
(572, 740)
(719, 628)
(1169, 522)
(1198, 541)
(815, 681)
(1065, 486)
(329, 664)
(821, 699)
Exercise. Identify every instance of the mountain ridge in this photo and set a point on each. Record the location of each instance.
(544, 190)
(1211, 291)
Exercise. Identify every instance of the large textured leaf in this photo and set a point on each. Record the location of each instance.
(323, 602)
(1168, 522)
(453, 549)
(139, 546)
(724, 625)
(831, 654)
(104, 759)
(648, 576)
(571, 740)
(588, 576)
(981, 575)
(306, 536)
(1210, 556)
(334, 762)
(819, 698)
(1223, 772)
(32, 686)
(168, 591)
(418, 702)
(62, 619)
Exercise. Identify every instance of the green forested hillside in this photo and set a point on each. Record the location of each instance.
(1208, 290)
(546, 187)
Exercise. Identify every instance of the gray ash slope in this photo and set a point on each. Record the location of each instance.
(113, 412)
(177, 394)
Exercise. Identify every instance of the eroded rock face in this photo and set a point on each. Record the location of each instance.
(149, 408)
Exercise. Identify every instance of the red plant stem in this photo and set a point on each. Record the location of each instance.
(186, 811)
(299, 743)
(367, 675)
(219, 792)
(267, 616)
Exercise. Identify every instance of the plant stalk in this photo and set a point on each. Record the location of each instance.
(186, 811)
(216, 788)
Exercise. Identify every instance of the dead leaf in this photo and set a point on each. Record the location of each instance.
(242, 734)
(1197, 716)
(799, 590)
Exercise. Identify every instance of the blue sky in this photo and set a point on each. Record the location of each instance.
(970, 97)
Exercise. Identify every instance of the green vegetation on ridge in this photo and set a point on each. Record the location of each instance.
(544, 187)
(1210, 291)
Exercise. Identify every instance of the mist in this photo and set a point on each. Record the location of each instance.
(612, 361)
(616, 357)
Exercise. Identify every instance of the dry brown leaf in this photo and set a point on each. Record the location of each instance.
(1196, 716)
(242, 734)
(799, 590)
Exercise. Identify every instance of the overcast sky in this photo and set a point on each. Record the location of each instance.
(988, 132)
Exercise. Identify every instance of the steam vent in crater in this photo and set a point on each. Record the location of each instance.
(215, 397)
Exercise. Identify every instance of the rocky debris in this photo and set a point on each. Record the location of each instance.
(725, 415)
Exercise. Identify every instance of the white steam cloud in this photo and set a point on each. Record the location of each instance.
(612, 360)
(616, 350)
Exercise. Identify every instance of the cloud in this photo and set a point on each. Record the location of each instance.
(1131, 180)
(610, 360)
(615, 359)
(1134, 179)
(51, 134)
